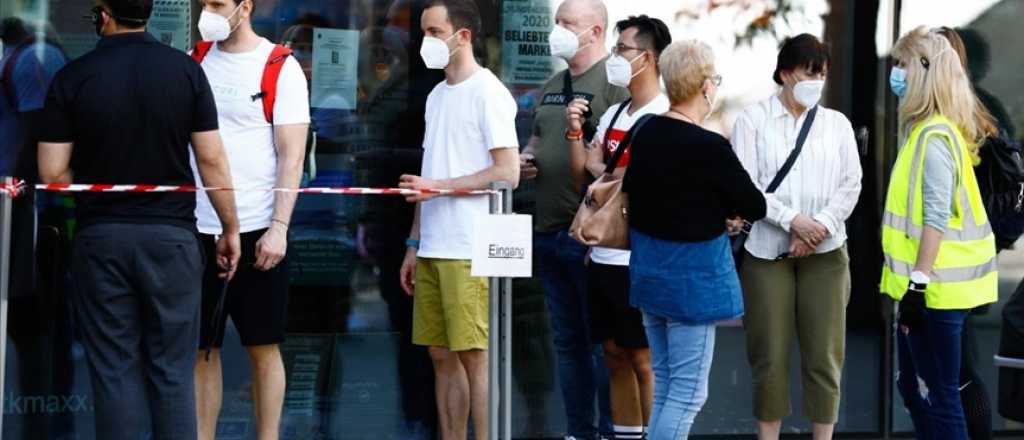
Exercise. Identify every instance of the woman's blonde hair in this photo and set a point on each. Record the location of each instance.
(684, 66)
(937, 84)
(985, 120)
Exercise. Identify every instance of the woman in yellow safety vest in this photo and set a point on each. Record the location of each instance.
(938, 245)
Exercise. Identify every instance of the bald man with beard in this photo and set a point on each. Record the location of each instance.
(549, 160)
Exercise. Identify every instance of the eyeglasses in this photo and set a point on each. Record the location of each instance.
(94, 14)
(716, 80)
(618, 49)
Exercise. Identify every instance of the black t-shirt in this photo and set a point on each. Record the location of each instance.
(129, 107)
(684, 182)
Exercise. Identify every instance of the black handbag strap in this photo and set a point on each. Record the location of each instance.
(567, 87)
(788, 165)
(615, 118)
(626, 141)
(570, 95)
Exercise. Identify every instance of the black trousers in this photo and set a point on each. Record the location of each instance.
(136, 303)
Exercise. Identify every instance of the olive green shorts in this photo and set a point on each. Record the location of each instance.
(450, 307)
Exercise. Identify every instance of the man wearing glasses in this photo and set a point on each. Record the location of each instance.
(614, 324)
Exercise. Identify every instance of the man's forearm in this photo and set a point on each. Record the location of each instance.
(65, 177)
(577, 161)
(415, 232)
(215, 173)
(289, 175)
(224, 203)
(290, 141)
(595, 161)
(484, 178)
(54, 161)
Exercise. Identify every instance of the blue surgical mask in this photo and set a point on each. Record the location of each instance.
(898, 81)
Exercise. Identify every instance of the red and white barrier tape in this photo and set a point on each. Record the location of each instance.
(17, 187)
(12, 189)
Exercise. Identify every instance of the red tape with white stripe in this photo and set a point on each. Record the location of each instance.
(16, 188)
(12, 189)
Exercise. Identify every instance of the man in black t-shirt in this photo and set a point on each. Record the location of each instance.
(125, 114)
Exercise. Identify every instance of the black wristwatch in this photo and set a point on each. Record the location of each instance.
(918, 281)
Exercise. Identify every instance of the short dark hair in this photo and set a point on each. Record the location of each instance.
(651, 33)
(13, 30)
(801, 51)
(463, 14)
(130, 13)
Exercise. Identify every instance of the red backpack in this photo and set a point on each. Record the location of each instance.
(268, 85)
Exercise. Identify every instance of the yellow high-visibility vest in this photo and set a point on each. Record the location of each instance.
(964, 275)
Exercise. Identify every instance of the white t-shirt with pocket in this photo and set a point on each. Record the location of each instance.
(248, 138)
(659, 105)
(465, 122)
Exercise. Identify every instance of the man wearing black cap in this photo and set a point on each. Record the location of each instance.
(125, 114)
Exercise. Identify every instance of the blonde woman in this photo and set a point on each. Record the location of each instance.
(682, 275)
(939, 248)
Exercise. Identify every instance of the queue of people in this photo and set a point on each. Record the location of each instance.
(792, 173)
(634, 328)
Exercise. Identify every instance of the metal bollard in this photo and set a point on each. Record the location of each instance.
(6, 203)
(499, 353)
(1008, 362)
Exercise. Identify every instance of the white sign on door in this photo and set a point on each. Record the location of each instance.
(503, 246)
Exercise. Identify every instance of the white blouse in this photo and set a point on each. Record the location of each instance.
(823, 184)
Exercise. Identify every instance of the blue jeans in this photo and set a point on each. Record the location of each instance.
(931, 357)
(581, 370)
(681, 359)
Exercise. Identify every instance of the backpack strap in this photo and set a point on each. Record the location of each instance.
(202, 48)
(271, 72)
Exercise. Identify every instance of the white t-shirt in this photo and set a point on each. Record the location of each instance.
(658, 105)
(248, 138)
(464, 123)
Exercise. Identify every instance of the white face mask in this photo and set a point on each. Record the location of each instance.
(620, 71)
(564, 43)
(808, 93)
(214, 27)
(435, 52)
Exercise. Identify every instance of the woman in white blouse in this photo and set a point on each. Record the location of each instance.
(795, 272)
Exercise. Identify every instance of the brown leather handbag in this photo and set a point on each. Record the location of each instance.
(602, 219)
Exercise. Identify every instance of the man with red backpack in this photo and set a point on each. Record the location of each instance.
(263, 109)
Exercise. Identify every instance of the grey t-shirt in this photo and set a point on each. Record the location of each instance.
(557, 196)
(939, 182)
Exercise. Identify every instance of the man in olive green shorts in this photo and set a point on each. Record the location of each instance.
(470, 142)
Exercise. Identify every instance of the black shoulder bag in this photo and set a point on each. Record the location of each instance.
(741, 239)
